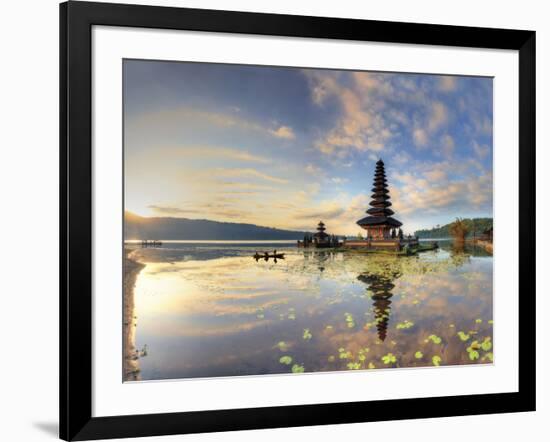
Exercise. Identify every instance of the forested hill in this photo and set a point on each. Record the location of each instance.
(478, 225)
(138, 227)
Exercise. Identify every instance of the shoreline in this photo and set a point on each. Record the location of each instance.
(131, 371)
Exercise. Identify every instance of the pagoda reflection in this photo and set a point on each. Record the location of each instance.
(380, 286)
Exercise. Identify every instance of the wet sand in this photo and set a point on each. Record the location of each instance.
(131, 354)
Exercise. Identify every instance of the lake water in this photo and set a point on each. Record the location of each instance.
(209, 309)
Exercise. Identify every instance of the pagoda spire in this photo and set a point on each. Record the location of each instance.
(381, 197)
(379, 221)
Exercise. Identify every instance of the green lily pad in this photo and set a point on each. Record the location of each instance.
(463, 336)
(287, 360)
(436, 360)
(418, 355)
(389, 359)
(435, 339)
(307, 334)
(486, 345)
(297, 368)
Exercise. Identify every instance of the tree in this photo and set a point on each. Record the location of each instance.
(459, 229)
(359, 236)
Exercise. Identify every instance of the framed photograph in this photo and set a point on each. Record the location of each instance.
(272, 221)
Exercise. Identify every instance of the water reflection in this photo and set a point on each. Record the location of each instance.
(205, 310)
(381, 289)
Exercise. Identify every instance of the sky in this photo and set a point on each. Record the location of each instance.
(287, 147)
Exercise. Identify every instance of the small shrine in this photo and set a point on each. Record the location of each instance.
(320, 239)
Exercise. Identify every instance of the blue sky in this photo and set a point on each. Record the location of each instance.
(287, 147)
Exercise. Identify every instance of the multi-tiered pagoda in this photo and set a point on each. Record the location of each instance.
(380, 224)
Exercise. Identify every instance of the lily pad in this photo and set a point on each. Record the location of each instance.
(418, 355)
(435, 339)
(389, 359)
(287, 360)
(463, 336)
(486, 345)
(297, 368)
(307, 334)
(436, 360)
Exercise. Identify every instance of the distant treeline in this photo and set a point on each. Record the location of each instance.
(477, 225)
(138, 227)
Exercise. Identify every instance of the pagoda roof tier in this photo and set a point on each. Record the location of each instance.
(320, 234)
(379, 198)
(380, 202)
(380, 189)
(380, 211)
(379, 221)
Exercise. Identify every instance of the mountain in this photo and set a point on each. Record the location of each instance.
(478, 225)
(138, 227)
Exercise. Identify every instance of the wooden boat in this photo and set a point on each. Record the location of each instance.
(267, 255)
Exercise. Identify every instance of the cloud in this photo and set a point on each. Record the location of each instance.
(447, 83)
(359, 125)
(439, 116)
(326, 214)
(480, 150)
(447, 145)
(436, 192)
(169, 210)
(314, 170)
(170, 122)
(420, 137)
(338, 180)
(285, 132)
(247, 173)
(220, 152)
(436, 175)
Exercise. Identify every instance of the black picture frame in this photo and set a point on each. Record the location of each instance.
(76, 21)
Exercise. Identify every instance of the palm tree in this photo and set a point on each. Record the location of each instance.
(459, 230)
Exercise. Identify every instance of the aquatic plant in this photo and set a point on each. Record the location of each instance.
(486, 345)
(354, 365)
(404, 325)
(463, 336)
(344, 354)
(418, 355)
(297, 368)
(287, 360)
(472, 350)
(434, 338)
(436, 360)
(349, 320)
(389, 359)
(307, 334)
